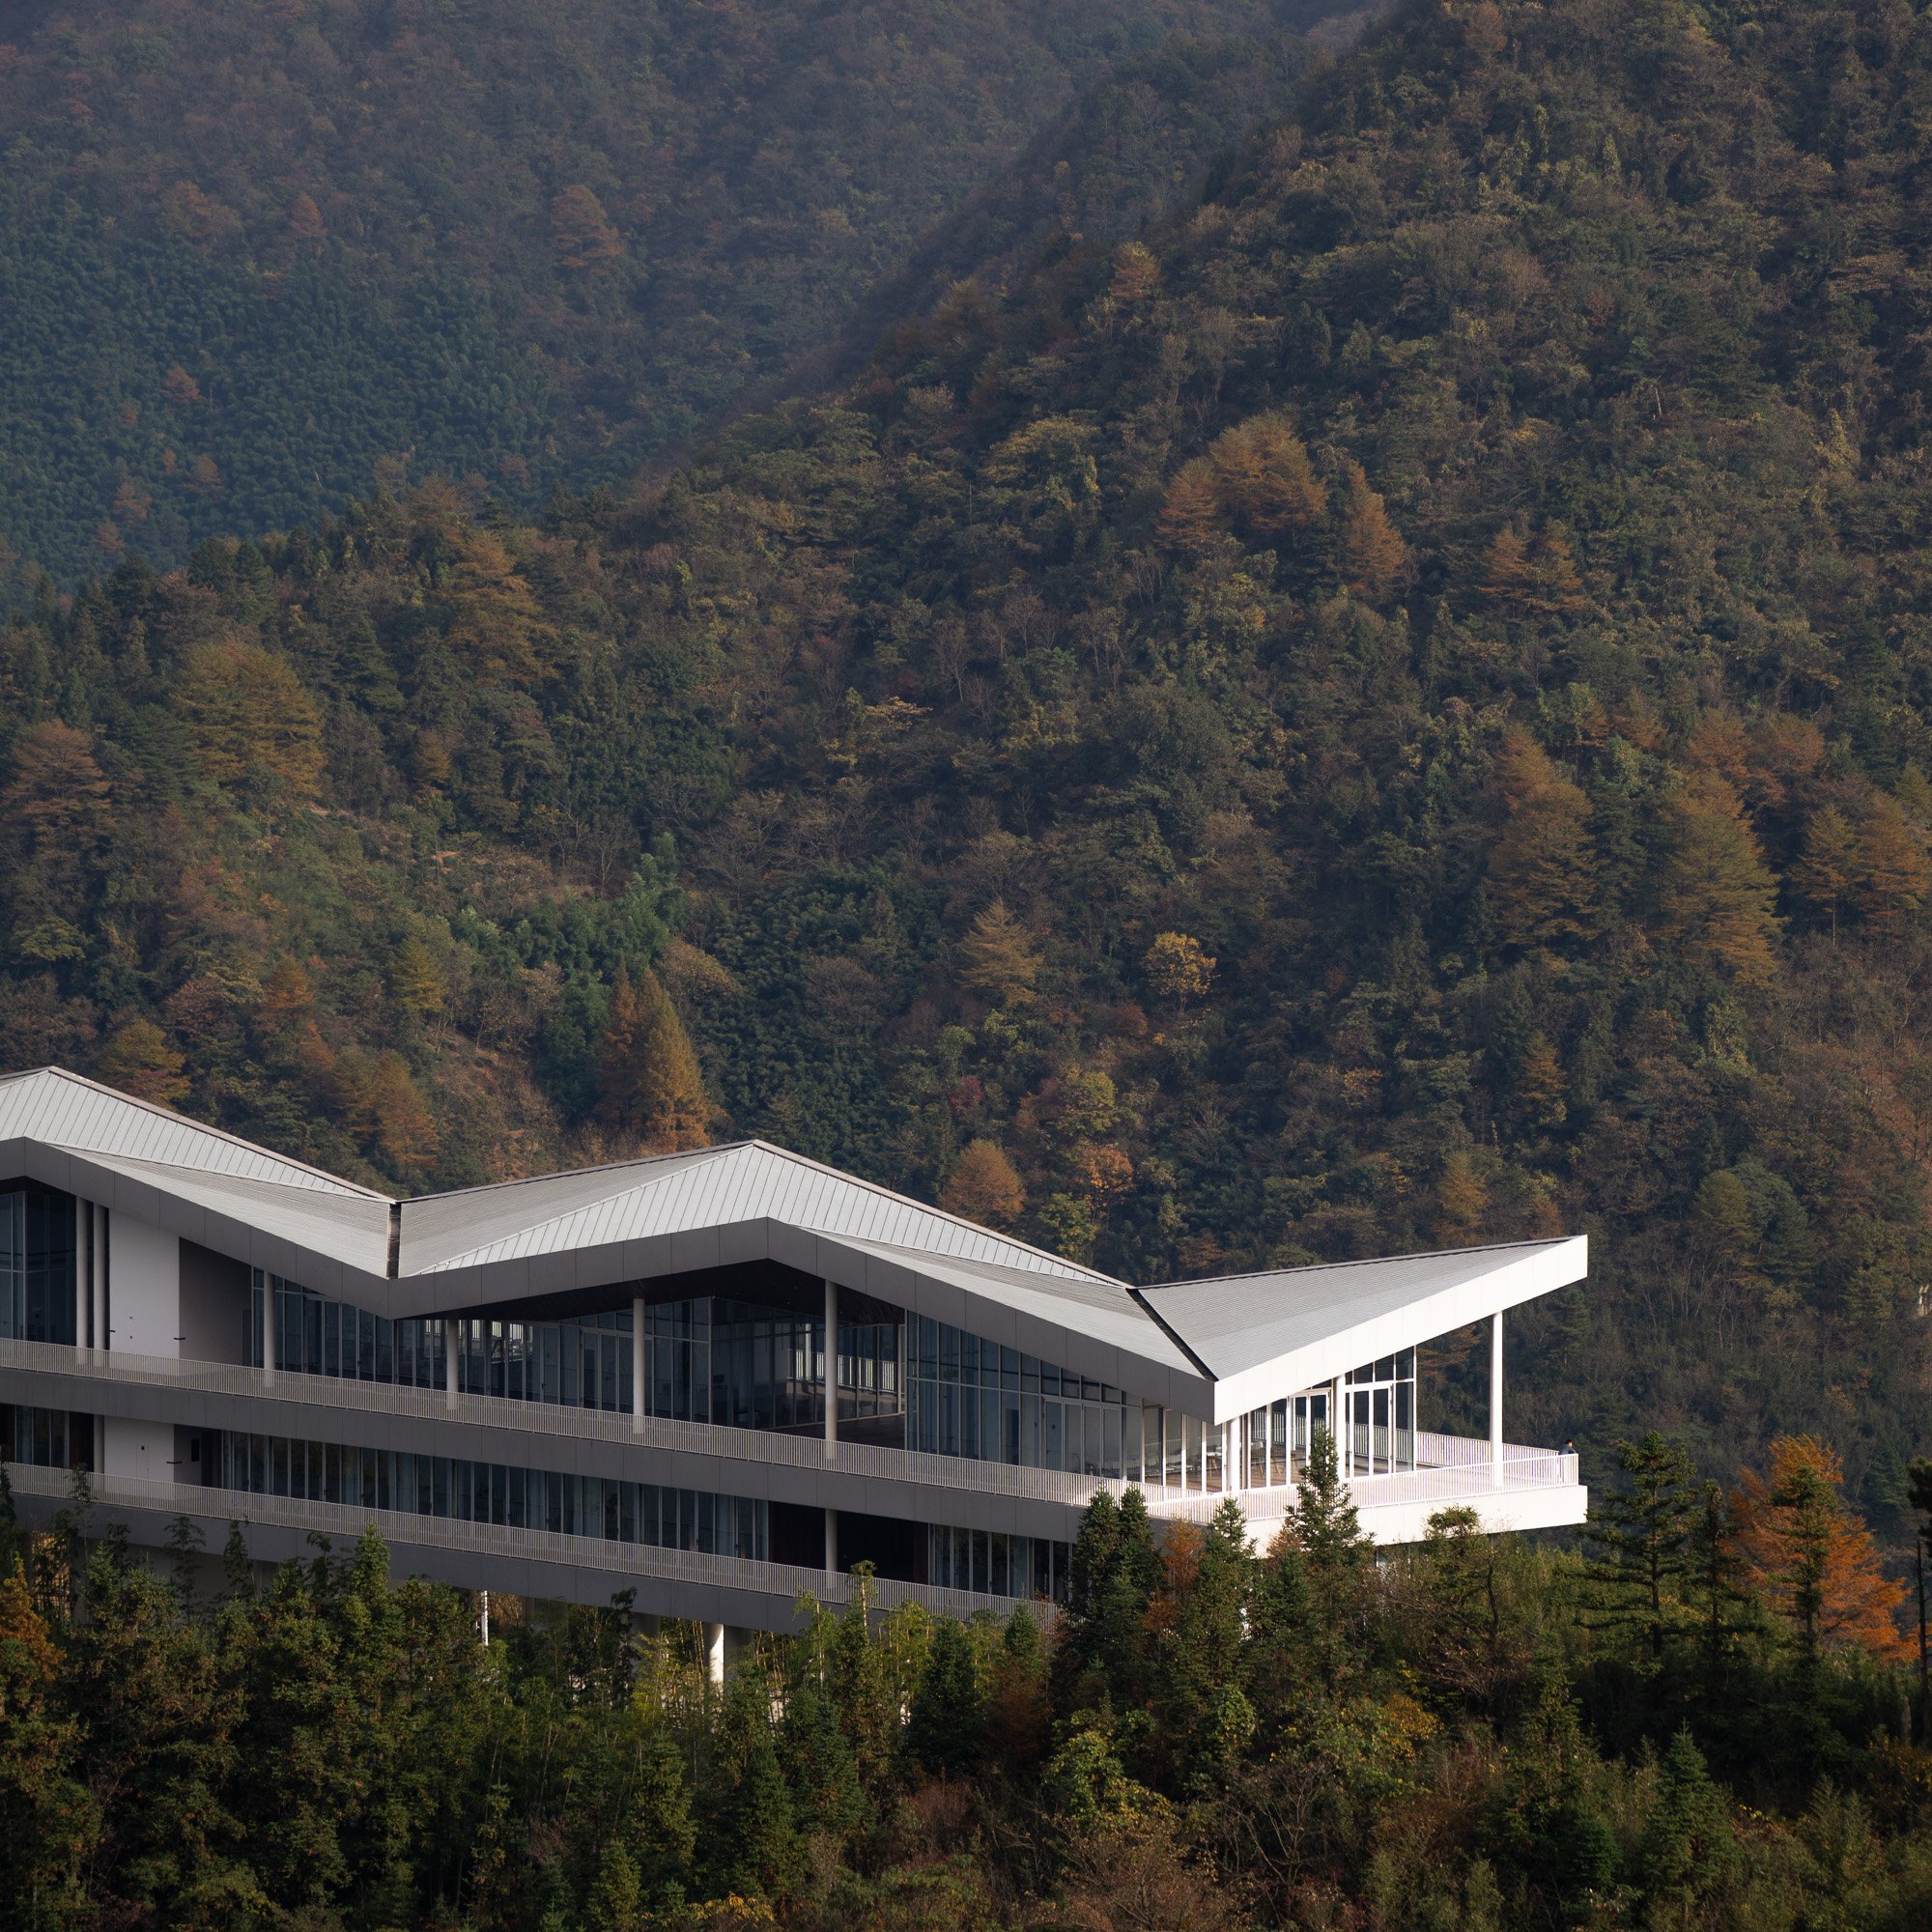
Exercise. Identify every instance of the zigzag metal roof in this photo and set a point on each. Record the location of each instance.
(1249, 1337)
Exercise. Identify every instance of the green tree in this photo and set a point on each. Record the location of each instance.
(1689, 1849)
(1640, 1535)
(947, 1725)
(1336, 1561)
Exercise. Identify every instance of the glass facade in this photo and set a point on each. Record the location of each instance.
(495, 1492)
(37, 1263)
(36, 1438)
(972, 1398)
(1378, 1416)
(995, 1565)
(1377, 1437)
(750, 1365)
(713, 1359)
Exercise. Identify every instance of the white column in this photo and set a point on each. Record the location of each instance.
(99, 1258)
(831, 1545)
(1496, 1399)
(267, 1327)
(449, 1363)
(831, 1361)
(1337, 1427)
(714, 1653)
(637, 1366)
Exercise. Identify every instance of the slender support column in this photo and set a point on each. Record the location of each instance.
(98, 1216)
(1496, 1399)
(449, 1364)
(714, 1653)
(831, 1361)
(831, 1545)
(637, 1366)
(1339, 1430)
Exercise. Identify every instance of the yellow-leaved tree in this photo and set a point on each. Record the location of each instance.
(248, 715)
(648, 1082)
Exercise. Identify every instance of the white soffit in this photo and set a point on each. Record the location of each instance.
(345, 1228)
(1096, 1309)
(1265, 1336)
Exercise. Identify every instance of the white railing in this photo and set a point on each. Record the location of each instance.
(1449, 1467)
(620, 1560)
(759, 1447)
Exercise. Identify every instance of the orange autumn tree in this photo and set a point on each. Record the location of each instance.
(1812, 1557)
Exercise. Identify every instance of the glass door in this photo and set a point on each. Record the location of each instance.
(1311, 1419)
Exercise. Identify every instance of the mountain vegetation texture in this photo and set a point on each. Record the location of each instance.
(1695, 1727)
(1389, 710)
(254, 255)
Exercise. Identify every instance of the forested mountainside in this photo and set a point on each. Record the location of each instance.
(254, 256)
(1469, 1735)
(1391, 710)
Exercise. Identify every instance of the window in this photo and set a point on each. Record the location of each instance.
(37, 1264)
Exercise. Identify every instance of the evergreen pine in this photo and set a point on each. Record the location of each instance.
(1689, 1847)
(1640, 1536)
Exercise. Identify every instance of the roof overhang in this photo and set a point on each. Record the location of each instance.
(1263, 1337)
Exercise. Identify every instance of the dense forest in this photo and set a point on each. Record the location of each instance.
(255, 257)
(1696, 1723)
(1390, 709)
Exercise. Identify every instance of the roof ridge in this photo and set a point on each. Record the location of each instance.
(642, 1160)
(938, 1213)
(187, 1121)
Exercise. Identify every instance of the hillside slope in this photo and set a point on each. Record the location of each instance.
(253, 254)
(1391, 710)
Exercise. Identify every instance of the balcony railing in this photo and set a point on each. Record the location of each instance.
(1449, 1467)
(624, 1562)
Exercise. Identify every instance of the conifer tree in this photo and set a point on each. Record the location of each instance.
(1892, 874)
(660, 1826)
(616, 1899)
(1640, 1538)
(985, 1187)
(1335, 1558)
(138, 1058)
(997, 956)
(947, 1722)
(1714, 896)
(1542, 867)
(1814, 1558)
(1821, 878)
(820, 1771)
(1689, 1849)
(1113, 1574)
(1373, 556)
(761, 1856)
(1202, 1659)
(648, 1081)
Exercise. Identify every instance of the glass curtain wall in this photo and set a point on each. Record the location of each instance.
(972, 1398)
(708, 1359)
(35, 1437)
(995, 1565)
(37, 1264)
(1378, 1416)
(494, 1492)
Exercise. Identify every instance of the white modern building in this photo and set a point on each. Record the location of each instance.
(716, 1380)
